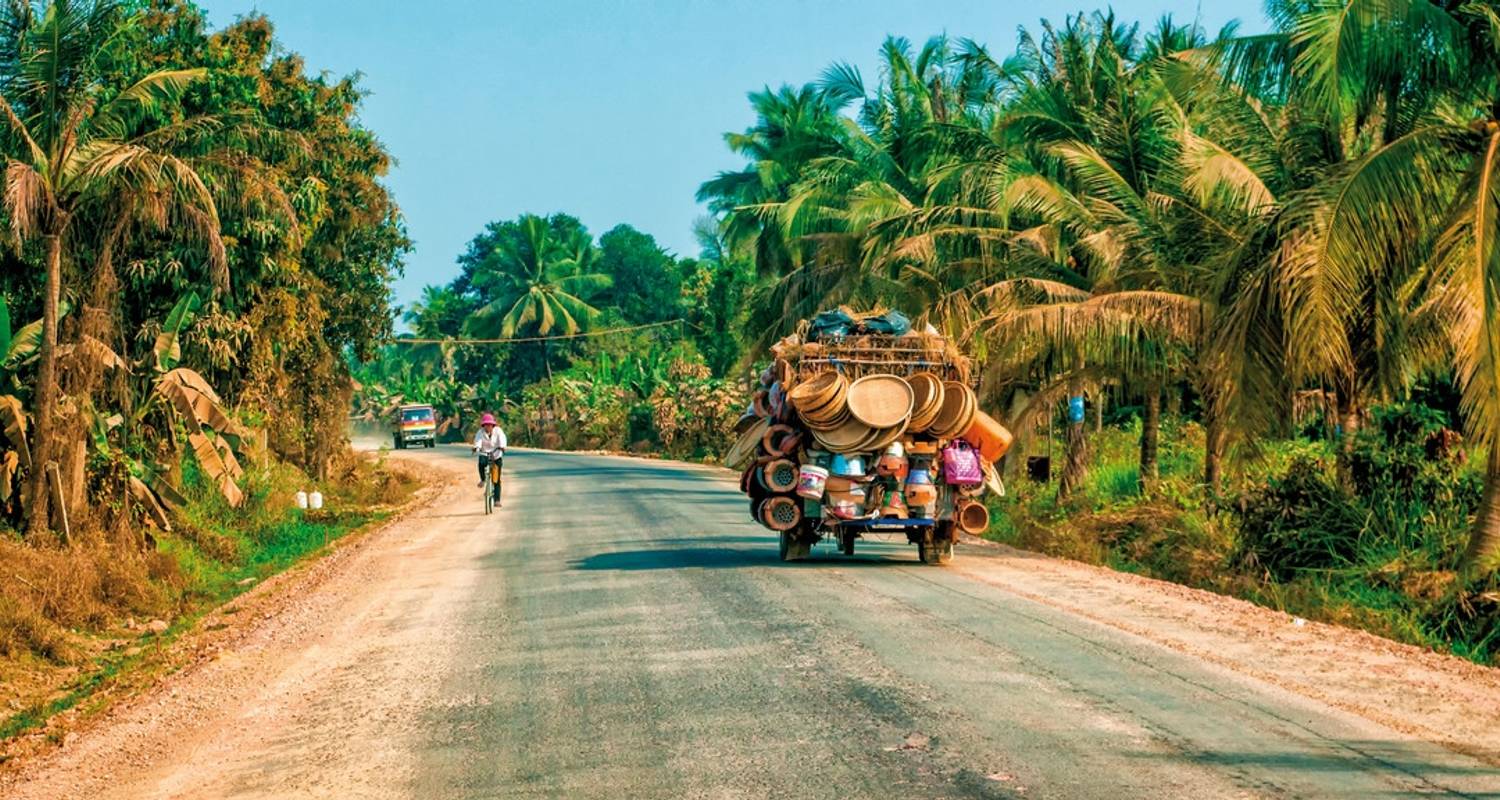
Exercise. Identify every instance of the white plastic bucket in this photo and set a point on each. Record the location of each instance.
(811, 481)
(302, 499)
(315, 500)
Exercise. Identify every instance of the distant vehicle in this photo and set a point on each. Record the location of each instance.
(414, 424)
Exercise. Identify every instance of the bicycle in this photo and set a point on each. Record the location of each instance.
(492, 486)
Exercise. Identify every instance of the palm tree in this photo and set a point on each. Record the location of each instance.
(538, 284)
(1408, 230)
(793, 128)
(439, 314)
(72, 150)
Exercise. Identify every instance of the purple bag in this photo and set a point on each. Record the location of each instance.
(961, 464)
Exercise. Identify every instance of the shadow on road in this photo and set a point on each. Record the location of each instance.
(1355, 757)
(679, 558)
(696, 555)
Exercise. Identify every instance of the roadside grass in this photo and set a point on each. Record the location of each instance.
(1286, 537)
(81, 613)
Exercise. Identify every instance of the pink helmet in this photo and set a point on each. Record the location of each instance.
(487, 419)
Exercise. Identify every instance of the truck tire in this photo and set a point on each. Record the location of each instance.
(400, 445)
(432, 443)
(846, 544)
(792, 546)
(938, 550)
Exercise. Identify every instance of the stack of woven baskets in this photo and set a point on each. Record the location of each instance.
(876, 410)
(893, 411)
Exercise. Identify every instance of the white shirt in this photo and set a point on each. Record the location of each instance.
(493, 443)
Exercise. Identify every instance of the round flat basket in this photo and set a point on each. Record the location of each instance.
(843, 439)
(744, 448)
(959, 405)
(836, 407)
(880, 401)
(816, 393)
(781, 513)
(885, 438)
(927, 400)
(830, 423)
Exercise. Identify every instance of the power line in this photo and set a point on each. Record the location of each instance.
(517, 340)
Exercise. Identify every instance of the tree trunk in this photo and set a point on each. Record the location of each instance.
(1075, 467)
(1213, 457)
(1483, 553)
(1099, 412)
(1174, 401)
(1349, 421)
(44, 399)
(1150, 432)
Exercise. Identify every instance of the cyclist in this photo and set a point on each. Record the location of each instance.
(489, 443)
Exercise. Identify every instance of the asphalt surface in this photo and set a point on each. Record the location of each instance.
(633, 634)
(620, 629)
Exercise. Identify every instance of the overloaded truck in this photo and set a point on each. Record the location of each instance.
(863, 426)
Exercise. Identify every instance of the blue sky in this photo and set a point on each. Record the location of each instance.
(612, 111)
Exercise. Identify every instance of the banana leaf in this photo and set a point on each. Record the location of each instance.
(214, 467)
(230, 461)
(27, 342)
(13, 422)
(10, 467)
(196, 401)
(95, 351)
(168, 348)
(4, 328)
(150, 502)
(99, 427)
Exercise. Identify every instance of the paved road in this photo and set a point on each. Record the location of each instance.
(621, 630)
(635, 636)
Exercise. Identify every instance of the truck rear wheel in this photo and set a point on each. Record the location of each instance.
(432, 443)
(936, 553)
(938, 548)
(792, 545)
(846, 544)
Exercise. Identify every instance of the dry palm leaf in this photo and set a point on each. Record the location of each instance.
(230, 461)
(196, 401)
(148, 499)
(13, 421)
(93, 351)
(10, 465)
(214, 467)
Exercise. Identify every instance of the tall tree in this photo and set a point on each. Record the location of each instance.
(72, 149)
(537, 284)
(645, 279)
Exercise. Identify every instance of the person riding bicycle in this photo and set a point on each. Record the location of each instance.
(490, 444)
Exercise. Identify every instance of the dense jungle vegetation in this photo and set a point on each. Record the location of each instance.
(197, 241)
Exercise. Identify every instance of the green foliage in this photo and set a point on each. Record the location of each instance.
(646, 282)
(1299, 521)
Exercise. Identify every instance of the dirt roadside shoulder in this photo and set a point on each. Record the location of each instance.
(247, 618)
(1440, 698)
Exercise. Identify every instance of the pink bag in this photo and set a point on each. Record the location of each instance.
(961, 464)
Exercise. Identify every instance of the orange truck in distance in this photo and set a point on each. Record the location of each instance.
(414, 425)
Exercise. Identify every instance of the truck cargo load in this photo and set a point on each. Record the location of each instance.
(863, 426)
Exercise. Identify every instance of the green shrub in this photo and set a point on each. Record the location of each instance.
(1300, 520)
